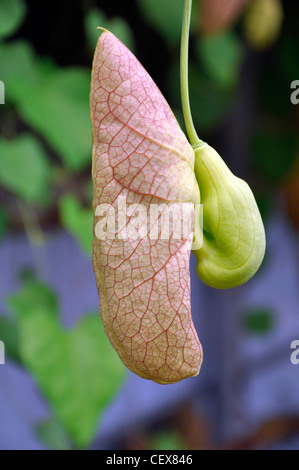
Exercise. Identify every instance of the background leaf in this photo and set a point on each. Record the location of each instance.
(157, 10)
(3, 222)
(10, 336)
(287, 56)
(59, 109)
(209, 101)
(78, 370)
(53, 101)
(273, 154)
(221, 56)
(24, 168)
(12, 13)
(78, 221)
(19, 70)
(53, 435)
(168, 440)
(118, 26)
(258, 321)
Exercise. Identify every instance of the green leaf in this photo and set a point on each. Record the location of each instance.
(55, 102)
(221, 56)
(274, 154)
(24, 168)
(118, 26)
(168, 440)
(77, 370)
(209, 101)
(259, 322)
(9, 334)
(12, 13)
(59, 109)
(78, 221)
(165, 16)
(19, 71)
(53, 435)
(34, 295)
(3, 222)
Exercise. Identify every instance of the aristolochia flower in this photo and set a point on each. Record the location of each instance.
(142, 158)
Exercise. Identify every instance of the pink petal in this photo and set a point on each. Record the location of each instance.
(141, 154)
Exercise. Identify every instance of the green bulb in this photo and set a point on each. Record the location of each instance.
(232, 236)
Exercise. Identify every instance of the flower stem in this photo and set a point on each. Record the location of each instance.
(193, 137)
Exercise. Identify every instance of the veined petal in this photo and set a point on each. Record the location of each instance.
(141, 157)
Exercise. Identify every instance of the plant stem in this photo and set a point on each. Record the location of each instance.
(193, 137)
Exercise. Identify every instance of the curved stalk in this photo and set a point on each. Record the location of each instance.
(193, 137)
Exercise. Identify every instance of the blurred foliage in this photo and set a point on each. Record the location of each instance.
(77, 221)
(53, 435)
(221, 56)
(167, 440)
(258, 322)
(291, 193)
(51, 100)
(263, 22)
(45, 158)
(10, 336)
(12, 15)
(3, 222)
(156, 11)
(118, 26)
(58, 109)
(23, 159)
(77, 370)
(209, 100)
(288, 56)
(214, 71)
(19, 70)
(274, 154)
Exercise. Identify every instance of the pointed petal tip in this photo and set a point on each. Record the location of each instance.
(103, 29)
